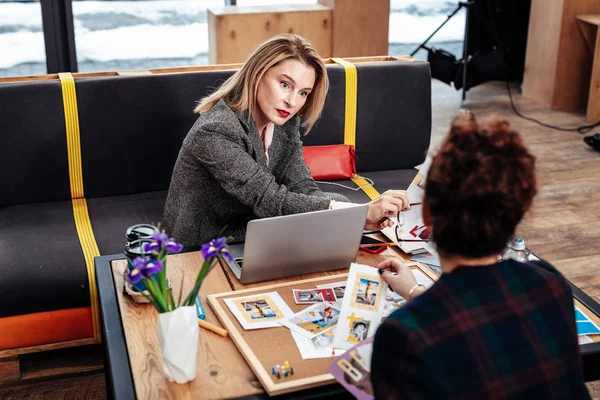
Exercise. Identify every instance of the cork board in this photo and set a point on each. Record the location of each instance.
(265, 348)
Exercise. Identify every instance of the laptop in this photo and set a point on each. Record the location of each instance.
(298, 244)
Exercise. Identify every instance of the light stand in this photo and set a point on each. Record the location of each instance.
(461, 4)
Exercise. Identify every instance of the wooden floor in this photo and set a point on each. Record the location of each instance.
(563, 227)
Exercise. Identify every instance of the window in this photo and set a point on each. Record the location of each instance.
(21, 39)
(126, 35)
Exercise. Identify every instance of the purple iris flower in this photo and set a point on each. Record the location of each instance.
(214, 247)
(134, 276)
(160, 237)
(158, 241)
(173, 247)
(152, 267)
(140, 263)
(225, 253)
(150, 247)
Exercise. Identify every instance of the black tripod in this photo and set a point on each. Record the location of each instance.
(464, 61)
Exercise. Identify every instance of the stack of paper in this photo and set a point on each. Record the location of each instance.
(411, 227)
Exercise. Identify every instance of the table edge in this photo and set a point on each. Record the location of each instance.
(119, 380)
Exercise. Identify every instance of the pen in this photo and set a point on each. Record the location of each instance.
(363, 246)
(211, 327)
(199, 308)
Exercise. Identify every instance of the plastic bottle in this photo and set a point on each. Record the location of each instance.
(515, 251)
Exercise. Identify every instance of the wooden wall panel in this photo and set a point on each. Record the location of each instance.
(234, 32)
(574, 66)
(558, 64)
(360, 27)
(542, 50)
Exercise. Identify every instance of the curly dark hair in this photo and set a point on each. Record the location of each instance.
(480, 184)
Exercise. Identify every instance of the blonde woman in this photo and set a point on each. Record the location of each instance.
(243, 157)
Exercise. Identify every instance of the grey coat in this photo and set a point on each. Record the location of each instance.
(221, 178)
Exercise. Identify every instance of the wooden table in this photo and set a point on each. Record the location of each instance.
(588, 25)
(134, 368)
(133, 361)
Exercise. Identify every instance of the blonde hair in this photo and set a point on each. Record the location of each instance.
(239, 91)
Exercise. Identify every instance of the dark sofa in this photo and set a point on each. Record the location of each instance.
(131, 128)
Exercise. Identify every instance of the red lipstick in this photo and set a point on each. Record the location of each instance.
(282, 113)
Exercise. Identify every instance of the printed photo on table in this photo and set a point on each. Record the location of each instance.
(328, 294)
(339, 288)
(259, 309)
(302, 296)
(315, 320)
(359, 331)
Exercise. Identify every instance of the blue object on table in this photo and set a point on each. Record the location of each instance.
(199, 308)
(587, 328)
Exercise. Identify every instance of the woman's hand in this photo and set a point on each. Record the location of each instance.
(400, 278)
(385, 206)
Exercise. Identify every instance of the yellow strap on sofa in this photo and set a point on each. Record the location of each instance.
(350, 121)
(80, 210)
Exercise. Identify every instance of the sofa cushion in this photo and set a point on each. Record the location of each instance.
(33, 153)
(133, 125)
(43, 268)
(111, 216)
(393, 120)
(132, 128)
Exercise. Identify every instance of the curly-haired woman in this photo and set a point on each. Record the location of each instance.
(487, 329)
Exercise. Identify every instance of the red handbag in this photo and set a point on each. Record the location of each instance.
(330, 162)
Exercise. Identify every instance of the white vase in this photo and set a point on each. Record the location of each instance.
(178, 334)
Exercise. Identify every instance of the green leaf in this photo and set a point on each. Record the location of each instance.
(206, 268)
(157, 295)
(180, 293)
(171, 300)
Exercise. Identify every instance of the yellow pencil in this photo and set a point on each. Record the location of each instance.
(211, 327)
(382, 244)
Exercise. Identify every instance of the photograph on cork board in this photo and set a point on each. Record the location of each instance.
(339, 288)
(307, 296)
(259, 311)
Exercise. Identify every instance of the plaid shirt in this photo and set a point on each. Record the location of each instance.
(500, 332)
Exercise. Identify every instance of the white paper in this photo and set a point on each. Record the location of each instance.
(259, 311)
(428, 259)
(413, 217)
(318, 347)
(362, 307)
(583, 339)
(416, 189)
(178, 334)
(412, 226)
